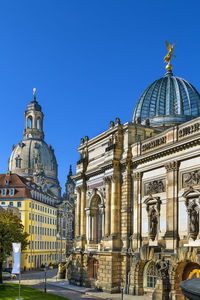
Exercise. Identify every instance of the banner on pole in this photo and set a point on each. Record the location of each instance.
(17, 257)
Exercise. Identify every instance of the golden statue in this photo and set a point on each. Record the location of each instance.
(169, 55)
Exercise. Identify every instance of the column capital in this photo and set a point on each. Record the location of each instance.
(115, 178)
(107, 179)
(172, 166)
(137, 175)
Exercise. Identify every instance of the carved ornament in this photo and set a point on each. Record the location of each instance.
(172, 166)
(191, 178)
(154, 187)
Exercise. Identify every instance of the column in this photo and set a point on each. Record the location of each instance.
(115, 204)
(126, 207)
(83, 213)
(171, 235)
(107, 210)
(77, 212)
(137, 209)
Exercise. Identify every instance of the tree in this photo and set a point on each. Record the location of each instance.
(11, 231)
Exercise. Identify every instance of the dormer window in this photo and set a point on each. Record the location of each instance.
(18, 162)
(12, 192)
(4, 192)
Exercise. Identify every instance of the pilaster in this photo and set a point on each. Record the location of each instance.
(171, 235)
(137, 198)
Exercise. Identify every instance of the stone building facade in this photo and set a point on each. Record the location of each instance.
(138, 191)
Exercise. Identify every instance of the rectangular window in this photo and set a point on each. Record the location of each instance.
(38, 245)
(29, 216)
(35, 245)
(32, 229)
(29, 229)
(11, 203)
(35, 229)
(33, 206)
(19, 204)
(33, 217)
(29, 204)
(32, 244)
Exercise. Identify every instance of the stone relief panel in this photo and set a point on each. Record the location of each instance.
(155, 187)
(191, 178)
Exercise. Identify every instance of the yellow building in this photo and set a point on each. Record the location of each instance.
(39, 217)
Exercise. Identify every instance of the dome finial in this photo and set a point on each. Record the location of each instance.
(168, 57)
(34, 94)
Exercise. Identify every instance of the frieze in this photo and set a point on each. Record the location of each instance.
(154, 143)
(155, 187)
(191, 178)
(189, 130)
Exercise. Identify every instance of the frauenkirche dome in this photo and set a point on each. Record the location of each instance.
(32, 158)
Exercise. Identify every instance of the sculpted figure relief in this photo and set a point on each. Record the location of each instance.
(154, 187)
(191, 178)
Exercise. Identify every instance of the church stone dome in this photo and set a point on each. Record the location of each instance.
(167, 101)
(32, 158)
(34, 154)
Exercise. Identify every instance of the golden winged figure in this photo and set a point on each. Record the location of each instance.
(169, 55)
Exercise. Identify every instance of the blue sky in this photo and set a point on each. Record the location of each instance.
(90, 61)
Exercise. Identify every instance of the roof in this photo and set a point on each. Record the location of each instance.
(168, 100)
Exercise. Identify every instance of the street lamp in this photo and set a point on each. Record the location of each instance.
(122, 288)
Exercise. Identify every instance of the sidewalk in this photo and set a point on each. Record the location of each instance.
(87, 291)
(91, 292)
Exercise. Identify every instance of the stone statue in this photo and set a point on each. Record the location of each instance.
(194, 222)
(153, 222)
(162, 268)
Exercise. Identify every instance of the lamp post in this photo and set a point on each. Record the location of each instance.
(122, 288)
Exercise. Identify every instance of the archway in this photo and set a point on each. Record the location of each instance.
(29, 122)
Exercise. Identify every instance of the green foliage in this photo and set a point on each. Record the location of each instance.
(11, 231)
(10, 292)
(42, 266)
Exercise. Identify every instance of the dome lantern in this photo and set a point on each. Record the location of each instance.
(34, 119)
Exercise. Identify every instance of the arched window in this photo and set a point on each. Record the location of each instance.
(95, 220)
(29, 122)
(18, 162)
(38, 124)
(151, 275)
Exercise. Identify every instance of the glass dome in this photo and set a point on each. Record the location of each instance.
(167, 101)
